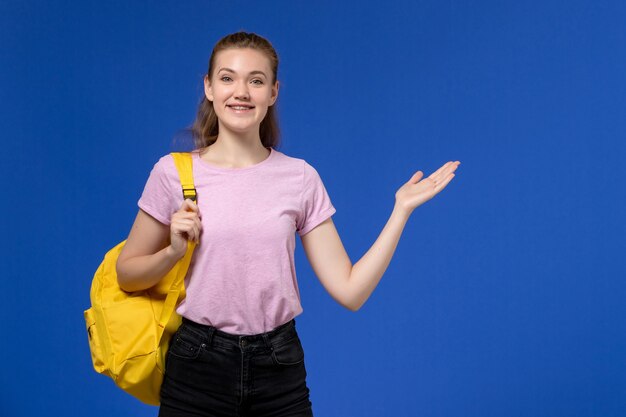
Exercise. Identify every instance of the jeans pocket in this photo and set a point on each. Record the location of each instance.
(185, 344)
(288, 353)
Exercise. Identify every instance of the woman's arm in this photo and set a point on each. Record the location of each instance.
(153, 248)
(352, 285)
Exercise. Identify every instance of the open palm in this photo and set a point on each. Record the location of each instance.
(415, 192)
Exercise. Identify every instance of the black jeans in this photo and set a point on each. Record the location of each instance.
(213, 373)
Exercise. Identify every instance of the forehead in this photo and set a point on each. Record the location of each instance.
(242, 60)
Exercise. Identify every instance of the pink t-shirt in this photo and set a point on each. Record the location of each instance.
(242, 277)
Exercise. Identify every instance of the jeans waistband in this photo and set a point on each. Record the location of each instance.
(271, 338)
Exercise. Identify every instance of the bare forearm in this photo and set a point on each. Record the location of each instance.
(143, 272)
(368, 271)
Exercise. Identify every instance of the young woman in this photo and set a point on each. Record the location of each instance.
(237, 352)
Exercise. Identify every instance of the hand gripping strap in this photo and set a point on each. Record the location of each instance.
(184, 165)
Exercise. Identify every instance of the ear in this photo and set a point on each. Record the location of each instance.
(274, 96)
(208, 90)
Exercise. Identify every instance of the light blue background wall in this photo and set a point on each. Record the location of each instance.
(506, 294)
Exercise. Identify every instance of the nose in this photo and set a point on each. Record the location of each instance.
(241, 91)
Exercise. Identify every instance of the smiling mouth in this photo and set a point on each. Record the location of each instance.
(241, 107)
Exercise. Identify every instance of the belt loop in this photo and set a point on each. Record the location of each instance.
(268, 343)
(210, 333)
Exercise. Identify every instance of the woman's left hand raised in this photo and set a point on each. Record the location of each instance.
(415, 192)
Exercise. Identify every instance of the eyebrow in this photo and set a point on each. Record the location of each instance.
(251, 72)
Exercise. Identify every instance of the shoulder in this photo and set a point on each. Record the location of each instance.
(299, 165)
(165, 168)
(165, 161)
(309, 176)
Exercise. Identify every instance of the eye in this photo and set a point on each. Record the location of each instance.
(225, 77)
(258, 82)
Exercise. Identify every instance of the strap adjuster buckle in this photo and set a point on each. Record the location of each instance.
(189, 193)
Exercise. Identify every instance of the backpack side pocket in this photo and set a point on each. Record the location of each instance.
(95, 346)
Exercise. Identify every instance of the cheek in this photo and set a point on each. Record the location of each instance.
(263, 100)
(264, 97)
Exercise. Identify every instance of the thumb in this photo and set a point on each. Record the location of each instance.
(416, 177)
(188, 205)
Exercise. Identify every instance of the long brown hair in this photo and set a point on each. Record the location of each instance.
(206, 127)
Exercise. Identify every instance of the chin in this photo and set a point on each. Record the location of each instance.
(241, 128)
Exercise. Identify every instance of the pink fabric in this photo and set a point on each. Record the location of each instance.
(242, 278)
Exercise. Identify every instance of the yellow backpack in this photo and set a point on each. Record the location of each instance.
(129, 333)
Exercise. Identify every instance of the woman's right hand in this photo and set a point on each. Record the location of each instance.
(185, 226)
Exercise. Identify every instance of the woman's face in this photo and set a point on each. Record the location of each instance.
(241, 89)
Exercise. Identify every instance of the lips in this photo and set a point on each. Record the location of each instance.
(240, 106)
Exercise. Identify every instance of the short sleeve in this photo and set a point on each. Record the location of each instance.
(159, 198)
(315, 204)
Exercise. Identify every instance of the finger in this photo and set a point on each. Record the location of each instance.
(189, 205)
(192, 205)
(442, 174)
(444, 166)
(416, 177)
(185, 213)
(441, 185)
(449, 166)
(453, 166)
(199, 230)
(195, 210)
(194, 228)
(193, 233)
(189, 215)
(183, 225)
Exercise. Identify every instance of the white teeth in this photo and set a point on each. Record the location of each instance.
(240, 107)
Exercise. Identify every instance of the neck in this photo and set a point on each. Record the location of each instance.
(237, 150)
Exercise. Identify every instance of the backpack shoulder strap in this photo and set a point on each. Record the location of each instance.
(184, 164)
(185, 171)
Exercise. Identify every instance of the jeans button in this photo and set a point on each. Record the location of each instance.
(243, 342)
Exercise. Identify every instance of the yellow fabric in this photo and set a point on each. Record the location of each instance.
(129, 333)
